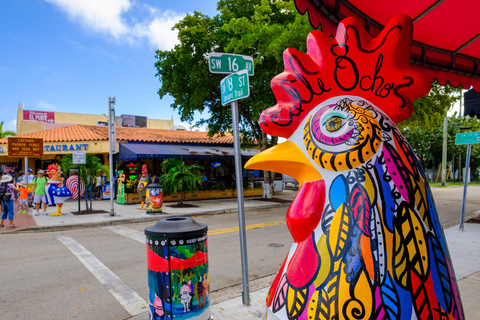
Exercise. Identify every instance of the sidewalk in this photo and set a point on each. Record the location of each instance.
(129, 213)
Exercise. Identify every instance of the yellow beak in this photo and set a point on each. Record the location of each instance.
(285, 158)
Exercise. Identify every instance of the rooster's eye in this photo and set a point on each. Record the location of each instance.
(333, 123)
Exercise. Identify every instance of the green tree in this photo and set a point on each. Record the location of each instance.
(428, 143)
(91, 168)
(430, 110)
(179, 177)
(262, 29)
(6, 133)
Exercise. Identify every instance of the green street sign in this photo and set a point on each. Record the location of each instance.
(467, 138)
(226, 63)
(235, 87)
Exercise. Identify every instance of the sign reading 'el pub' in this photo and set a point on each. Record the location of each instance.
(25, 147)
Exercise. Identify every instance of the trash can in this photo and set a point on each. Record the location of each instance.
(154, 198)
(177, 260)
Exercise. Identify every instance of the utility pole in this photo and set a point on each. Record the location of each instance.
(112, 137)
(444, 151)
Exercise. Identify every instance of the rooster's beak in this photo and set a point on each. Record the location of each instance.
(285, 158)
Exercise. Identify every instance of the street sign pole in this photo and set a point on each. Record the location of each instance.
(241, 209)
(465, 185)
(112, 137)
(467, 138)
(234, 87)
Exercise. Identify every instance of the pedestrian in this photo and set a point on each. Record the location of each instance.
(23, 198)
(21, 177)
(38, 190)
(7, 197)
(98, 186)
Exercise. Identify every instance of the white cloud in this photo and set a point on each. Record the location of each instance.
(46, 106)
(10, 125)
(99, 15)
(159, 31)
(110, 17)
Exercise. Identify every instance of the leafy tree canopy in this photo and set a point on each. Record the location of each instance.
(427, 143)
(6, 133)
(262, 29)
(430, 110)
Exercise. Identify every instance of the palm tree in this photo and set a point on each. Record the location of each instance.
(91, 167)
(179, 177)
(7, 133)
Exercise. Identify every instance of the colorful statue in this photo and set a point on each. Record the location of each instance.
(121, 187)
(368, 243)
(55, 192)
(142, 185)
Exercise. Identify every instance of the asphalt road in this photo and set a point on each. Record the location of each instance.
(41, 278)
(101, 273)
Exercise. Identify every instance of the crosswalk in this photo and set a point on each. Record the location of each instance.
(128, 298)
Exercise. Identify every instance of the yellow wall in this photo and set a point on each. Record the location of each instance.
(159, 124)
(24, 127)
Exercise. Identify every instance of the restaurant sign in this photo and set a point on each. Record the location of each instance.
(25, 147)
(41, 116)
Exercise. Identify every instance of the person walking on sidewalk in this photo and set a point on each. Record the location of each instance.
(23, 198)
(7, 197)
(38, 190)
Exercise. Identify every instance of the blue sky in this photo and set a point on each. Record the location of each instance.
(71, 55)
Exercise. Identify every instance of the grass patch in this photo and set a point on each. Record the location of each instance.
(454, 184)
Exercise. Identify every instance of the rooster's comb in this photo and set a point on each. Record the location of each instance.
(52, 166)
(355, 64)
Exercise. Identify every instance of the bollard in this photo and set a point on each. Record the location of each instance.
(177, 261)
(154, 198)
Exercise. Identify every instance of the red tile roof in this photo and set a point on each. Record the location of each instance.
(78, 132)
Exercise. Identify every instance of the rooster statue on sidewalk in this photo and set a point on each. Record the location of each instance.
(368, 243)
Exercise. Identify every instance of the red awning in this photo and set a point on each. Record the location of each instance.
(155, 262)
(159, 264)
(446, 34)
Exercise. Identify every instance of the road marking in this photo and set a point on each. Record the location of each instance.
(251, 226)
(127, 232)
(140, 236)
(128, 298)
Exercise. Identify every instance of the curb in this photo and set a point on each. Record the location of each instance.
(73, 226)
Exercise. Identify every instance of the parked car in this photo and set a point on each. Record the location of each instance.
(289, 182)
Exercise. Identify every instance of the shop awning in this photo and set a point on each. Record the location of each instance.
(446, 39)
(134, 151)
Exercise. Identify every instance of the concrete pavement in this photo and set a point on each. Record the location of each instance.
(463, 246)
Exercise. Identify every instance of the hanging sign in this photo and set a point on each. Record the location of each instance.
(25, 147)
(79, 158)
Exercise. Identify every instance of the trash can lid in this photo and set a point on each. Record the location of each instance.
(154, 185)
(176, 227)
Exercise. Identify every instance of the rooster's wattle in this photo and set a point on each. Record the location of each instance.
(368, 243)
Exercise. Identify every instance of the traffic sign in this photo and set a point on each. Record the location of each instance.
(467, 138)
(226, 63)
(235, 87)
(79, 158)
(25, 147)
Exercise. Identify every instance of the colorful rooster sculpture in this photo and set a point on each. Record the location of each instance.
(368, 243)
(55, 192)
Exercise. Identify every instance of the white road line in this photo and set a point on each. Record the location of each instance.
(128, 298)
(127, 232)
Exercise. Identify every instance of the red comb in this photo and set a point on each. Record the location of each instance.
(354, 64)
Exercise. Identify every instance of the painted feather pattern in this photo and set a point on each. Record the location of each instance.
(377, 249)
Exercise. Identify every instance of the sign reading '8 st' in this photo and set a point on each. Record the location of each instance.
(235, 87)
